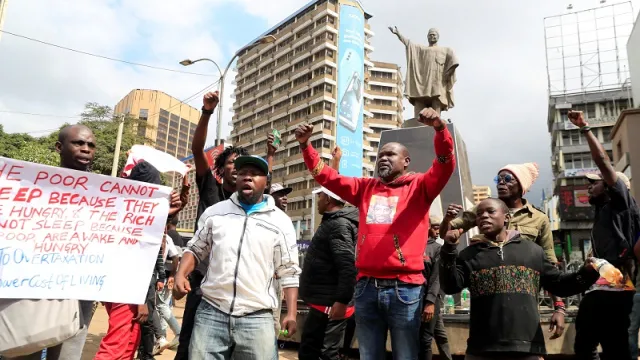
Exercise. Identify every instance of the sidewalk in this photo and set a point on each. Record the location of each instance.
(99, 325)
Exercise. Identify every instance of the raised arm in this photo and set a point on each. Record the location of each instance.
(434, 180)
(346, 187)
(394, 30)
(598, 154)
(336, 155)
(454, 272)
(210, 101)
(271, 152)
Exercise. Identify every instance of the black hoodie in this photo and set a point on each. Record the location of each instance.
(504, 283)
(329, 272)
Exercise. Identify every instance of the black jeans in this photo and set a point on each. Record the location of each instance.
(321, 337)
(431, 330)
(603, 318)
(188, 318)
(151, 329)
(349, 333)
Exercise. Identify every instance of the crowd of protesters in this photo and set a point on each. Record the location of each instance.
(377, 260)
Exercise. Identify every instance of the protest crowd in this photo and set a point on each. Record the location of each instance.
(378, 263)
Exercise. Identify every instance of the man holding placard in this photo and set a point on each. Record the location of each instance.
(246, 236)
(76, 145)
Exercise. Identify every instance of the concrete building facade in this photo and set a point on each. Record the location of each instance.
(170, 122)
(626, 148)
(571, 159)
(481, 192)
(292, 81)
(633, 54)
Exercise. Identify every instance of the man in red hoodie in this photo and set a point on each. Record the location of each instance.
(394, 220)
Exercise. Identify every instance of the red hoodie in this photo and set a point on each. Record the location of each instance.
(394, 217)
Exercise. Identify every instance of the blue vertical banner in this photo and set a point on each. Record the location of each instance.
(350, 87)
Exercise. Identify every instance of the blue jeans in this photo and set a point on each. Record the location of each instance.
(396, 308)
(218, 336)
(163, 305)
(634, 326)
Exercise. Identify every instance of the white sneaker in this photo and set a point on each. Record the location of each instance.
(161, 345)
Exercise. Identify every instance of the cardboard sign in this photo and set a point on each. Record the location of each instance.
(66, 234)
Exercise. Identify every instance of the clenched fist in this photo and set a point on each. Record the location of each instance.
(182, 287)
(303, 133)
(210, 100)
(453, 236)
(430, 117)
(577, 118)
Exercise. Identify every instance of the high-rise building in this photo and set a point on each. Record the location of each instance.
(3, 10)
(293, 80)
(480, 193)
(170, 122)
(590, 79)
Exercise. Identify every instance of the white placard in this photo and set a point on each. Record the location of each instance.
(66, 234)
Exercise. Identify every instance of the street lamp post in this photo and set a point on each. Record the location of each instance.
(263, 40)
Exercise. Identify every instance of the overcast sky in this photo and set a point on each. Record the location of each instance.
(501, 93)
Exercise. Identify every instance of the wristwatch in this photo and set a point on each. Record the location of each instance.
(205, 111)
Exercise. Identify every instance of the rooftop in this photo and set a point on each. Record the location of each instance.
(274, 28)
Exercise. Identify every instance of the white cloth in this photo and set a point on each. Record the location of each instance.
(159, 159)
(170, 249)
(244, 252)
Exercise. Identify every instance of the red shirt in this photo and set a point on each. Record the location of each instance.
(327, 309)
(394, 217)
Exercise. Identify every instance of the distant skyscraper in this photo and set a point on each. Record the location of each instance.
(480, 193)
(299, 78)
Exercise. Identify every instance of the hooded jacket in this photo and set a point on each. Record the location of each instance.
(329, 271)
(394, 217)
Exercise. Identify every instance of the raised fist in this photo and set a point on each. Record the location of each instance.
(303, 133)
(453, 236)
(430, 117)
(577, 118)
(452, 211)
(210, 100)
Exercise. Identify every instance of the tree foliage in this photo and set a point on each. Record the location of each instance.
(104, 124)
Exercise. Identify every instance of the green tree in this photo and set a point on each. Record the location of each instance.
(35, 152)
(104, 124)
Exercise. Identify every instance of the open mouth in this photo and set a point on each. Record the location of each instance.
(83, 161)
(485, 225)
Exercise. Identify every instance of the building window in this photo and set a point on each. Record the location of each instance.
(606, 134)
(144, 114)
(297, 168)
(325, 143)
(294, 150)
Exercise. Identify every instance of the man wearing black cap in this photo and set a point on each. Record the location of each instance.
(246, 236)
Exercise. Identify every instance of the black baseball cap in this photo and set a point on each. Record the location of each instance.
(254, 160)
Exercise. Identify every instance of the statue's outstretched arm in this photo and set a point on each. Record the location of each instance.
(395, 31)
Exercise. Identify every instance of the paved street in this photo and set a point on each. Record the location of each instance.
(99, 326)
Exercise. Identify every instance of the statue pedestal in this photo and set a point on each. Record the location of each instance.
(419, 140)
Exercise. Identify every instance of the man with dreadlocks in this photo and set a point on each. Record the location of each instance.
(210, 193)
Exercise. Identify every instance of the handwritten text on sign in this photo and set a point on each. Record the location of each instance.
(66, 234)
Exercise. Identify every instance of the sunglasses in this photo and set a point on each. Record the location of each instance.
(506, 178)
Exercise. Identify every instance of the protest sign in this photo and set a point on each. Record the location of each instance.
(66, 234)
